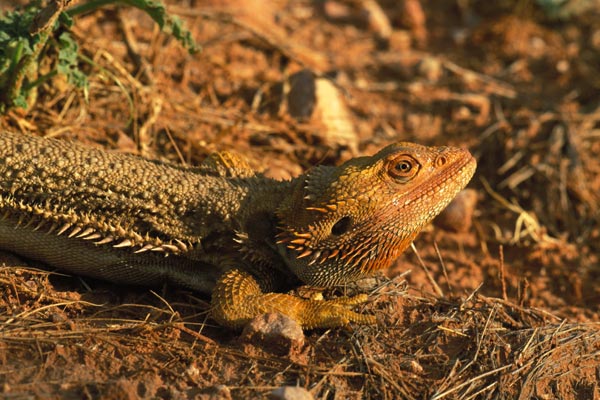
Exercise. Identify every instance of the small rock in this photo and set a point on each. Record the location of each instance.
(562, 66)
(335, 10)
(367, 284)
(290, 393)
(458, 216)
(218, 392)
(58, 317)
(430, 68)
(276, 333)
(302, 94)
(193, 372)
(413, 366)
(335, 117)
(306, 97)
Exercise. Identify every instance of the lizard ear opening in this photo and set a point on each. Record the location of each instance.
(342, 226)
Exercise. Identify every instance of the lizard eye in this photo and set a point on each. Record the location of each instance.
(341, 227)
(403, 167)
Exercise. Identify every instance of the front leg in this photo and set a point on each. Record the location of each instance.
(238, 298)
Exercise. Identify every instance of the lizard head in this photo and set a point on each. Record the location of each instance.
(342, 223)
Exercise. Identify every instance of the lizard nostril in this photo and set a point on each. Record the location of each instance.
(440, 161)
(341, 227)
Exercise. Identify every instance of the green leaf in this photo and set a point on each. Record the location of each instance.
(156, 11)
(21, 52)
(20, 101)
(15, 40)
(170, 24)
(67, 61)
(65, 19)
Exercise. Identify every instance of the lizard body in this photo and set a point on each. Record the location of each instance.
(221, 228)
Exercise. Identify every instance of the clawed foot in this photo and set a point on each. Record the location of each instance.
(237, 299)
(334, 313)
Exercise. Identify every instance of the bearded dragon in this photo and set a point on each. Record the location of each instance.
(221, 228)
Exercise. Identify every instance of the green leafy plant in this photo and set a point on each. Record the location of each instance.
(30, 34)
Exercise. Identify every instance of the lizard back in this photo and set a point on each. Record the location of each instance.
(121, 213)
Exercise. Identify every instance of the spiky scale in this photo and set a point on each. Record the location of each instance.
(144, 248)
(74, 231)
(93, 236)
(41, 223)
(124, 243)
(305, 253)
(180, 245)
(52, 228)
(105, 240)
(64, 228)
(86, 232)
(170, 248)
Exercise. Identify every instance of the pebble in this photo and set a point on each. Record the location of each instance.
(458, 216)
(276, 333)
(290, 393)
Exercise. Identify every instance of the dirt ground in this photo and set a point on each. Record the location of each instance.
(503, 303)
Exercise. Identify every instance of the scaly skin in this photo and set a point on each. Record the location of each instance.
(222, 228)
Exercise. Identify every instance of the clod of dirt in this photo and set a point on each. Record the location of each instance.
(458, 216)
(290, 393)
(275, 333)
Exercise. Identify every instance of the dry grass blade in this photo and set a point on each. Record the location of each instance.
(526, 225)
(434, 284)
